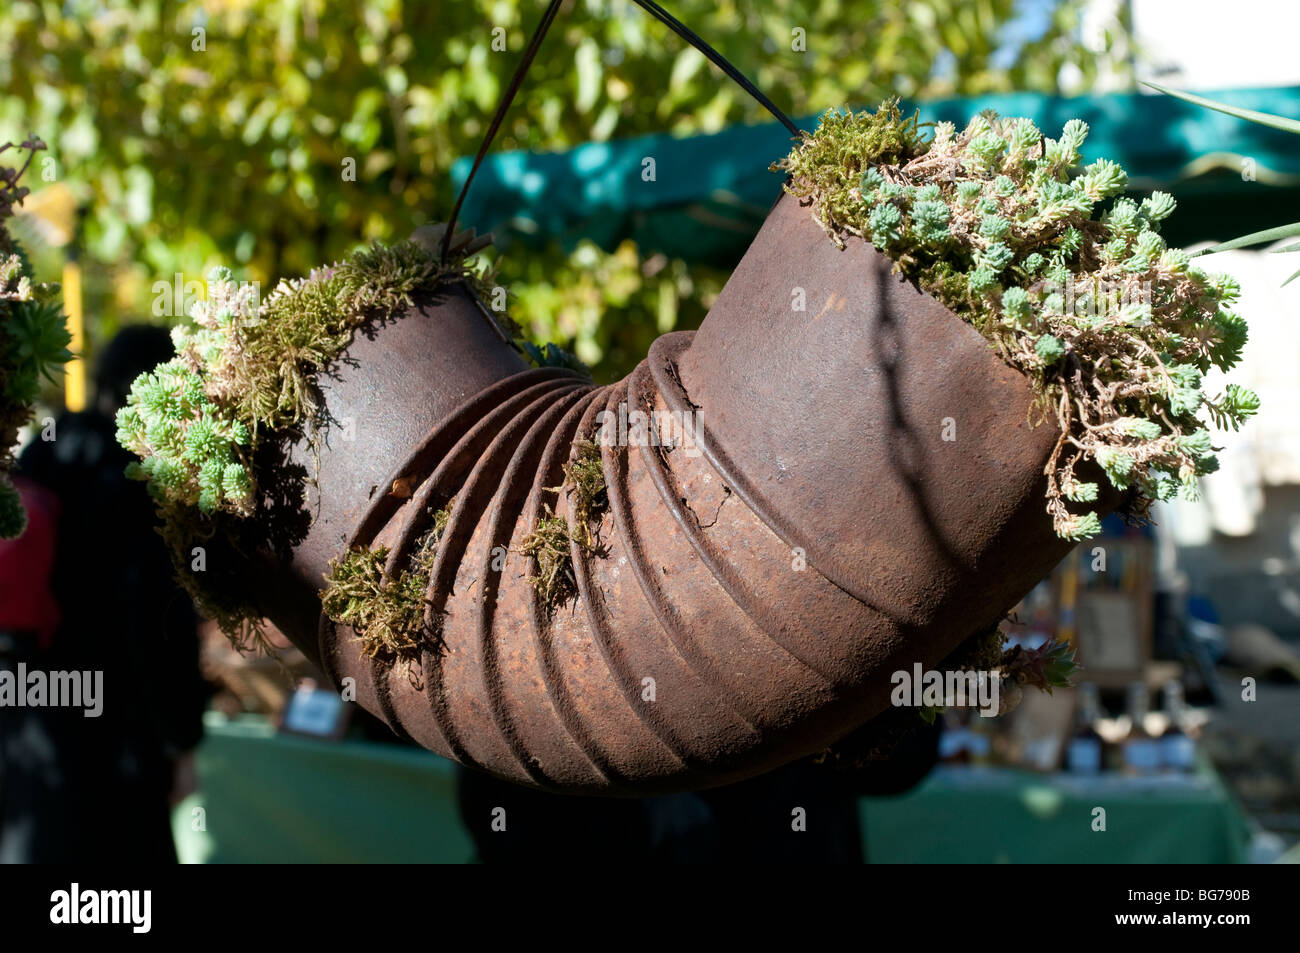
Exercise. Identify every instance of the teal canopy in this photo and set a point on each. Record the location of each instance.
(704, 197)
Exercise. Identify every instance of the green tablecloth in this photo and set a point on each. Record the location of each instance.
(280, 798)
(269, 797)
(988, 815)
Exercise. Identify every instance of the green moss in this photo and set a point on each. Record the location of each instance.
(209, 425)
(440, 521)
(549, 544)
(1070, 283)
(244, 378)
(248, 366)
(584, 484)
(848, 145)
(389, 615)
(981, 652)
(1051, 665)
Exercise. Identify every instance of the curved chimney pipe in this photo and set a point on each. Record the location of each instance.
(867, 493)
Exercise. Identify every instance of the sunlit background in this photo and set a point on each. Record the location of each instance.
(276, 136)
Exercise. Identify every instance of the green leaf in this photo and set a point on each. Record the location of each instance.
(1254, 238)
(589, 74)
(1250, 115)
(685, 66)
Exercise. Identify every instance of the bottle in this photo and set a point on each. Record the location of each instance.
(1177, 750)
(1083, 753)
(1141, 751)
(979, 742)
(953, 740)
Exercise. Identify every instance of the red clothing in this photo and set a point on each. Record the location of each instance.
(26, 567)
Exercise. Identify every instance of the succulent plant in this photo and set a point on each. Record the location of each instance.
(33, 338)
(1066, 277)
(244, 370)
(1051, 665)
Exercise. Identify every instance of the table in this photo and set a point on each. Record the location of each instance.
(998, 815)
(269, 797)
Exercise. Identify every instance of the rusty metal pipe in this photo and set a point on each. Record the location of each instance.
(751, 601)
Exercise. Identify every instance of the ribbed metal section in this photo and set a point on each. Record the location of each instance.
(753, 591)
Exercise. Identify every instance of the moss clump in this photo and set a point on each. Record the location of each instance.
(1052, 665)
(548, 544)
(584, 485)
(210, 425)
(217, 595)
(33, 339)
(979, 653)
(389, 615)
(1070, 282)
(550, 541)
(247, 367)
(440, 521)
(847, 145)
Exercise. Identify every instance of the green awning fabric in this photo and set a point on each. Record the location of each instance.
(709, 194)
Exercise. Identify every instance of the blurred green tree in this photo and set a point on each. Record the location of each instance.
(274, 136)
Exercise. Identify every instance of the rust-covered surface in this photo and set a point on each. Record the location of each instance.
(868, 495)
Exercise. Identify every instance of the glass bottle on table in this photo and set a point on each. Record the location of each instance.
(1083, 753)
(1141, 750)
(979, 741)
(1177, 749)
(953, 737)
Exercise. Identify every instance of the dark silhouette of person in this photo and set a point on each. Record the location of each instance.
(800, 813)
(123, 615)
(32, 778)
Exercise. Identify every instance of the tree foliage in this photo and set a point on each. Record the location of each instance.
(224, 132)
